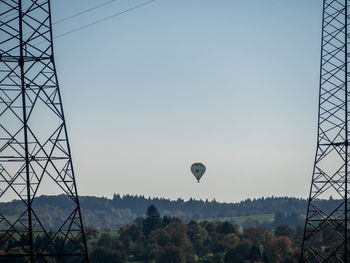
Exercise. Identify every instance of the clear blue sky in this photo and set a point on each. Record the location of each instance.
(230, 83)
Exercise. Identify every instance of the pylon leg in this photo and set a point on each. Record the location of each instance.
(35, 157)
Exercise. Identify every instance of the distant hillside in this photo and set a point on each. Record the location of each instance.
(110, 214)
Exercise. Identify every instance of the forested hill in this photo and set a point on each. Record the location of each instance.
(110, 214)
(212, 208)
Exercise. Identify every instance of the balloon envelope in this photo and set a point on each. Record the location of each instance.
(198, 169)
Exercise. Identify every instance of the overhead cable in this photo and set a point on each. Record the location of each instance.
(83, 12)
(104, 19)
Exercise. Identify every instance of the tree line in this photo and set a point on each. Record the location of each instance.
(111, 214)
(153, 238)
(168, 240)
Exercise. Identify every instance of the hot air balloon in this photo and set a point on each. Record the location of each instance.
(198, 169)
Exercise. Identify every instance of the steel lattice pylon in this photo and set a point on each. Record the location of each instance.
(326, 237)
(35, 156)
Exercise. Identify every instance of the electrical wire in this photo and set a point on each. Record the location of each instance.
(104, 19)
(14, 13)
(96, 22)
(83, 12)
(69, 17)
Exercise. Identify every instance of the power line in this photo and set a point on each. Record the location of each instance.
(83, 12)
(89, 10)
(72, 16)
(104, 19)
(15, 13)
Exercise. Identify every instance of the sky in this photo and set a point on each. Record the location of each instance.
(230, 83)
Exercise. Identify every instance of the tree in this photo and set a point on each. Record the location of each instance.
(208, 225)
(101, 254)
(171, 254)
(91, 233)
(199, 238)
(169, 219)
(239, 253)
(160, 237)
(280, 250)
(280, 218)
(130, 233)
(226, 228)
(293, 219)
(107, 241)
(217, 243)
(284, 230)
(259, 235)
(230, 241)
(138, 222)
(178, 235)
(153, 220)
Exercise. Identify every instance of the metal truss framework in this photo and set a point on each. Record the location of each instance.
(326, 237)
(35, 157)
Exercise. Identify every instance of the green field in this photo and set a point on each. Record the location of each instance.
(240, 220)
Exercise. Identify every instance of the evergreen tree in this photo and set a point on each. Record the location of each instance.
(153, 220)
(280, 218)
